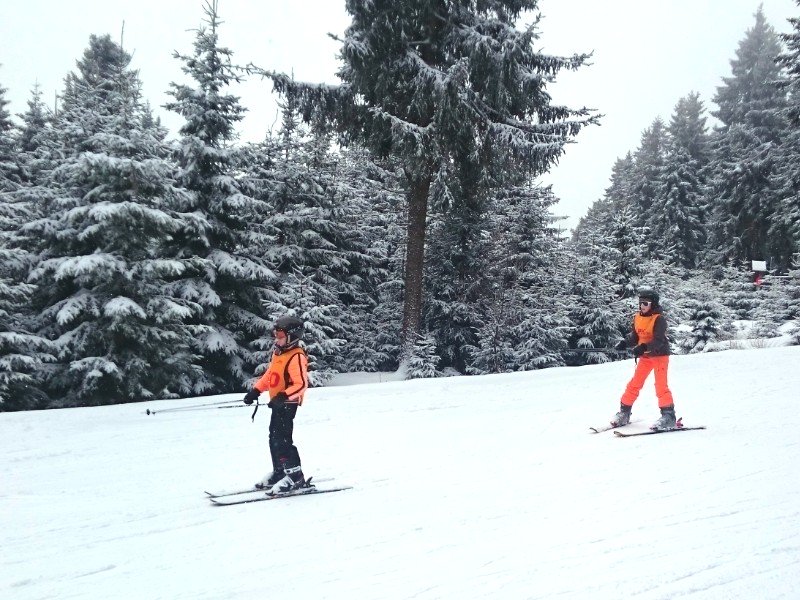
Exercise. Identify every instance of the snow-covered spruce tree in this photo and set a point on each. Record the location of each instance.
(456, 265)
(355, 249)
(21, 354)
(423, 77)
(687, 129)
(777, 302)
(678, 224)
(627, 244)
(792, 290)
(521, 326)
(705, 320)
(611, 228)
(11, 175)
(424, 361)
(647, 173)
(372, 205)
(495, 351)
(617, 196)
(620, 193)
(774, 308)
(324, 266)
(35, 122)
(790, 60)
(41, 150)
(788, 217)
(736, 289)
(744, 187)
(598, 318)
(234, 280)
(105, 290)
(543, 333)
(614, 219)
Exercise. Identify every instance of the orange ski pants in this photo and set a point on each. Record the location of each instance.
(659, 364)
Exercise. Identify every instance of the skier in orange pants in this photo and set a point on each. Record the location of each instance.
(651, 348)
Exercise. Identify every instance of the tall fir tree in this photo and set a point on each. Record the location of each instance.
(623, 173)
(21, 353)
(41, 149)
(457, 260)
(323, 266)
(679, 225)
(596, 314)
(626, 245)
(617, 199)
(788, 217)
(11, 176)
(612, 227)
(521, 327)
(35, 122)
(371, 202)
(106, 295)
(443, 85)
(647, 172)
(688, 129)
(744, 184)
(234, 281)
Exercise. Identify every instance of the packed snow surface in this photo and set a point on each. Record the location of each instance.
(464, 487)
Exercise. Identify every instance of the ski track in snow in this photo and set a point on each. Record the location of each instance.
(468, 487)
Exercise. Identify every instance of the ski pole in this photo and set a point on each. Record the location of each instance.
(208, 406)
(602, 350)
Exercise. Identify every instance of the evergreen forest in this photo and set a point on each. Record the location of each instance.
(398, 214)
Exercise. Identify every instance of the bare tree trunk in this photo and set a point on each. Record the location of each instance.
(415, 261)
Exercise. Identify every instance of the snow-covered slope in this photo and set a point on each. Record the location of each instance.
(481, 487)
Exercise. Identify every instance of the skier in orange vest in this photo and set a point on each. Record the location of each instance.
(286, 380)
(648, 339)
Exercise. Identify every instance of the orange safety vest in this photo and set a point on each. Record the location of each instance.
(644, 325)
(288, 373)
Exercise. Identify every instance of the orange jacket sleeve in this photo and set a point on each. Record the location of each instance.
(297, 370)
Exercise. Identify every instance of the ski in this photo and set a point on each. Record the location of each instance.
(261, 496)
(655, 431)
(609, 427)
(225, 493)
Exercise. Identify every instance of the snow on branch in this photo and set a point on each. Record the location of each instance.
(81, 266)
(122, 307)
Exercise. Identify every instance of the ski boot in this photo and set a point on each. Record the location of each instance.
(270, 480)
(292, 480)
(623, 417)
(667, 420)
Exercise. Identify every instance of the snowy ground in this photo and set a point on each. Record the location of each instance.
(479, 487)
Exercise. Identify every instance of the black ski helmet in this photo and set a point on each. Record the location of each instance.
(292, 327)
(649, 294)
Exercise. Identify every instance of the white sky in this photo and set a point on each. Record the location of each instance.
(646, 57)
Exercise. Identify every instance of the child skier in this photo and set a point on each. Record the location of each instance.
(651, 348)
(286, 380)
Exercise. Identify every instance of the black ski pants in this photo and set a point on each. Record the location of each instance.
(281, 447)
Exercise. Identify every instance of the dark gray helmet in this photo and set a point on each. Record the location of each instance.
(292, 327)
(649, 294)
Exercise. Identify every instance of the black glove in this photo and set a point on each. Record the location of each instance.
(639, 350)
(251, 396)
(620, 345)
(278, 399)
